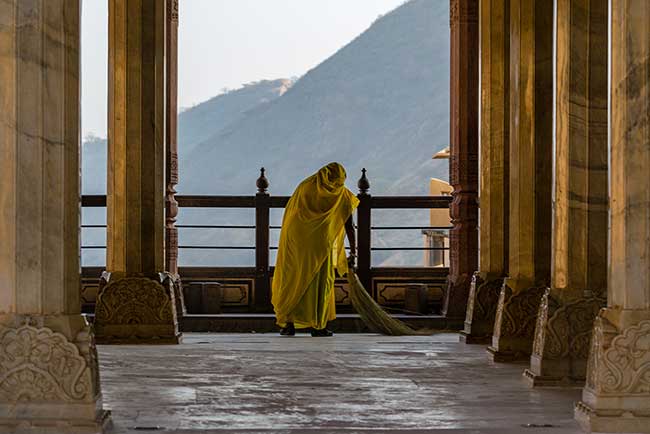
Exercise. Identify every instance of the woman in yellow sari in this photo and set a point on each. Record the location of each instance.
(311, 249)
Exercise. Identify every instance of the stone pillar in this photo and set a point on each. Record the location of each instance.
(136, 301)
(171, 151)
(493, 228)
(616, 397)
(579, 267)
(49, 377)
(463, 163)
(529, 254)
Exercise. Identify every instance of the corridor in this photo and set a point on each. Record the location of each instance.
(249, 383)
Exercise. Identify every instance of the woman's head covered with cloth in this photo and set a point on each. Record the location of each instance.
(312, 231)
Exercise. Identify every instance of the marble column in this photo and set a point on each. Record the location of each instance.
(579, 265)
(530, 178)
(136, 302)
(616, 397)
(494, 134)
(49, 377)
(463, 162)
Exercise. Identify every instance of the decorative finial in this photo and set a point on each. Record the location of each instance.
(262, 183)
(363, 184)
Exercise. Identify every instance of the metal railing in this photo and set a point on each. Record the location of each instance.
(263, 202)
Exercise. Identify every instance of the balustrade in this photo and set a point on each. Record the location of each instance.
(258, 297)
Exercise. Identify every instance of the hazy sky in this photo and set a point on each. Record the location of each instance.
(225, 43)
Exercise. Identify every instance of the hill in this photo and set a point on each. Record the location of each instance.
(381, 102)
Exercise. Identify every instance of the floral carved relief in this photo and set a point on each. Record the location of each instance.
(619, 362)
(565, 330)
(134, 300)
(520, 312)
(483, 300)
(487, 298)
(505, 294)
(38, 364)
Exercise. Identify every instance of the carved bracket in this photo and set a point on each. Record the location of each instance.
(564, 330)
(482, 307)
(137, 309)
(619, 361)
(38, 364)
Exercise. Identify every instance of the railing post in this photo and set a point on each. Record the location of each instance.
(262, 292)
(364, 233)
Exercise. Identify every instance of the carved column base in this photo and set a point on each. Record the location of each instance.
(136, 310)
(616, 397)
(481, 309)
(49, 376)
(455, 302)
(514, 324)
(178, 297)
(562, 335)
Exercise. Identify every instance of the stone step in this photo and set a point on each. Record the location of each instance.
(265, 323)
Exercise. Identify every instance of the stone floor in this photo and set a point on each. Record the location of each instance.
(346, 384)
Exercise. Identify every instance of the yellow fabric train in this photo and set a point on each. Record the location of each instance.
(311, 248)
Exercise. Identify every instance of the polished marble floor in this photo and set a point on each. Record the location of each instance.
(351, 383)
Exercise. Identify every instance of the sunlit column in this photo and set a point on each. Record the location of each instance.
(530, 178)
(616, 397)
(48, 363)
(136, 301)
(579, 270)
(494, 133)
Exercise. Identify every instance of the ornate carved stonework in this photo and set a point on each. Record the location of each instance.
(48, 380)
(520, 313)
(463, 161)
(173, 10)
(619, 362)
(477, 281)
(562, 338)
(498, 317)
(514, 325)
(37, 364)
(616, 397)
(137, 310)
(547, 307)
(463, 11)
(567, 332)
(481, 310)
(179, 298)
(453, 12)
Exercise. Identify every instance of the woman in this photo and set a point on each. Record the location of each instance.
(311, 250)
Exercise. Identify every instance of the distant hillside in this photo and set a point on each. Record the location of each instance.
(195, 125)
(381, 102)
(202, 121)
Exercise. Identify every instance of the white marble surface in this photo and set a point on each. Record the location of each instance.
(629, 282)
(617, 396)
(39, 150)
(348, 383)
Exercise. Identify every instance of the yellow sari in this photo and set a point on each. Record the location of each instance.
(311, 248)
